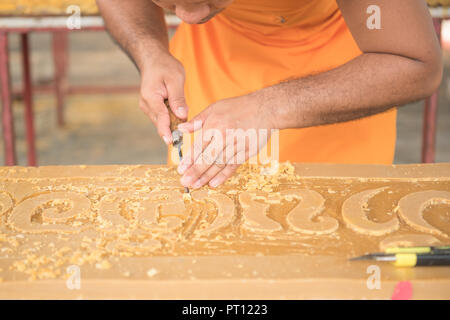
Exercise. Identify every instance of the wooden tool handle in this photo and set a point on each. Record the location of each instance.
(174, 120)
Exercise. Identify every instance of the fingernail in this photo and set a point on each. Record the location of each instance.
(186, 180)
(214, 183)
(166, 140)
(182, 112)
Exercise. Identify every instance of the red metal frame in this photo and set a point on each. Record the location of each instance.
(7, 115)
(60, 58)
(60, 86)
(28, 100)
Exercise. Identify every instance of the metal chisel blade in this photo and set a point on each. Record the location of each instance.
(180, 154)
(177, 143)
(371, 256)
(365, 257)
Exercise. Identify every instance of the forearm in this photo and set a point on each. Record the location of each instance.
(137, 25)
(370, 84)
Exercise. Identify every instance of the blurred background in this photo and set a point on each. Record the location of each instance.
(109, 128)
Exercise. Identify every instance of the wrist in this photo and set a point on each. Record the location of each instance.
(148, 53)
(273, 105)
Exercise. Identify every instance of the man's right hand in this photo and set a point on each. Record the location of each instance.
(162, 77)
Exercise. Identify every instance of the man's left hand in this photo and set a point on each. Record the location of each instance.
(230, 136)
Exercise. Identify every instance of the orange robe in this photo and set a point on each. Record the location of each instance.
(253, 44)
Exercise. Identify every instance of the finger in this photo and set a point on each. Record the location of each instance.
(212, 148)
(210, 173)
(177, 101)
(240, 157)
(235, 153)
(188, 157)
(197, 146)
(227, 164)
(223, 175)
(212, 162)
(162, 119)
(201, 172)
(193, 153)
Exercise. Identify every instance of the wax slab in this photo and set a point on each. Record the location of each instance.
(269, 233)
(435, 3)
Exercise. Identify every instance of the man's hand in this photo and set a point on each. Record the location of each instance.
(163, 78)
(230, 135)
(140, 29)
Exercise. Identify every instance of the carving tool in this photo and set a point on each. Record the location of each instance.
(177, 135)
(414, 259)
(395, 250)
(412, 256)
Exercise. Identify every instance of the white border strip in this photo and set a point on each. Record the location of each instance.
(47, 22)
(61, 22)
(440, 12)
